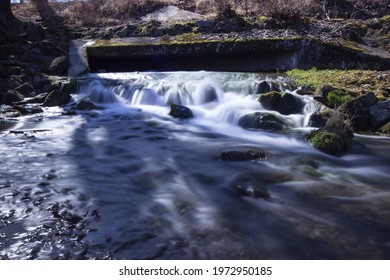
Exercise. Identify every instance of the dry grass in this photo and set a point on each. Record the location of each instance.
(103, 12)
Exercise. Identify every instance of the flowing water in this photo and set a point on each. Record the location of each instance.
(129, 181)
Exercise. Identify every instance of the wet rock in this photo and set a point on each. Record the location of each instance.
(306, 90)
(265, 87)
(6, 123)
(242, 155)
(250, 185)
(319, 119)
(56, 98)
(10, 114)
(59, 66)
(69, 113)
(259, 120)
(333, 138)
(85, 105)
(380, 114)
(284, 103)
(28, 110)
(11, 96)
(26, 89)
(356, 112)
(40, 98)
(180, 112)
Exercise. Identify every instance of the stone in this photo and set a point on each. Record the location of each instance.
(265, 87)
(284, 103)
(11, 96)
(333, 138)
(26, 90)
(28, 110)
(250, 185)
(318, 119)
(180, 112)
(40, 98)
(264, 121)
(56, 98)
(356, 112)
(242, 155)
(85, 105)
(379, 114)
(59, 66)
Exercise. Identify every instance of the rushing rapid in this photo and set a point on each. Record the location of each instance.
(129, 181)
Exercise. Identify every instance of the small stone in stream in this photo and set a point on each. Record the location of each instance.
(50, 176)
(242, 155)
(250, 185)
(85, 105)
(69, 113)
(284, 103)
(264, 121)
(180, 112)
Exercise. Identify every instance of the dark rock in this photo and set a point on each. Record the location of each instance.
(85, 105)
(35, 32)
(14, 82)
(69, 113)
(11, 96)
(59, 66)
(180, 112)
(380, 114)
(284, 103)
(333, 138)
(306, 90)
(28, 110)
(250, 185)
(40, 98)
(14, 70)
(6, 123)
(318, 119)
(264, 87)
(356, 112)
(259, 120)
(26, 89)
(242, 155)
(56, 98)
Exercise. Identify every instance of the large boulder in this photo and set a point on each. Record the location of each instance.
(26, 89)
(264, 87)
(180, 112)
(264, 121)
(357, 112)
(56, 98)
(380, 114)
(319, 119)
(333, 138)
(284, 103)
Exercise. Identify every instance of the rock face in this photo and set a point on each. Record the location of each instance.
(259, 120)
(284, 103)
(333, 138)
(180, 112)
(357, 112)
(380, 114)
(56, 98)
(242, 155)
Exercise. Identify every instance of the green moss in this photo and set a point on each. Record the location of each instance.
(261, 19)
(312, 172)
(347, 82)
(335, 99)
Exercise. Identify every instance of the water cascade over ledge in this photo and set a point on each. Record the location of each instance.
(129, 181)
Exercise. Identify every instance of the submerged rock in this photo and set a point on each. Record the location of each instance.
(260, 120)
(242, 155)
(85, 105)
(250, 185)
(284, 103)
(333, 138)
(180, 112)
(356, 112)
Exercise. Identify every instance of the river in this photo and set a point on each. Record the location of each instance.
(131, 182)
